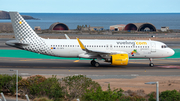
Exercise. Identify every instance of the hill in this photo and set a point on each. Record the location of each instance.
(5, 15)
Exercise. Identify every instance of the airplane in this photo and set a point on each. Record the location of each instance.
(116, 52)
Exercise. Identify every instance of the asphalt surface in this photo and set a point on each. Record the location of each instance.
(62, 68)
(27, 67)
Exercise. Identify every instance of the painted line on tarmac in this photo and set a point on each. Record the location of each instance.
(177, 67)
(171, 60)
(162, 65)
(76, 61)
(30, 60)
(138, 62)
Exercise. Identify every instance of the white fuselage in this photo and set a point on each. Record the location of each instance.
(142, 48)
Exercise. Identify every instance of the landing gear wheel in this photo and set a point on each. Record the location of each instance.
(151, 64)
(96, 64)
(93, 62)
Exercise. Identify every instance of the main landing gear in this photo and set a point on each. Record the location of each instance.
(94, 63)
(151, 64)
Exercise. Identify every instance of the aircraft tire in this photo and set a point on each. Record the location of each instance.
(151, 65)
(93, 62)
(96, 64)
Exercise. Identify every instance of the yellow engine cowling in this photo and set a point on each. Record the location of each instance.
(119, 59)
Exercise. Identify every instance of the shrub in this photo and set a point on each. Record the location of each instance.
(132, 98)
(38, 86)
(170, 95)
(8, 83)
(52, 88)
(31, 85)
(100, 95)
(42, 99)
(152, 96)
(76, 86)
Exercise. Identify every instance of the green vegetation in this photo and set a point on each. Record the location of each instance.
(76, 86)
(100, 95)
(8, 83)
(152, 96)
(79, 27)
(39, 86)
(42, 99)
(170, 95)
(70, 88)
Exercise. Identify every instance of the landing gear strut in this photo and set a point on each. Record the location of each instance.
(151, 64)
(94, 63)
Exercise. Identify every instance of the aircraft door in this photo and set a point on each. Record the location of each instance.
(153, 47)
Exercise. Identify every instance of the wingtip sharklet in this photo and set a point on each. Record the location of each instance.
(81, 44)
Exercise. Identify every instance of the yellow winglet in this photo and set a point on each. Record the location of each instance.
(81, 45)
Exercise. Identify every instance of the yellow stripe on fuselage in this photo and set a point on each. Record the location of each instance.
(80, 43)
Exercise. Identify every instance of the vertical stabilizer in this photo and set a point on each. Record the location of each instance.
(21, 28)
(26, 37)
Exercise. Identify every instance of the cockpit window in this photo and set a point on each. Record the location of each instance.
(163, 46)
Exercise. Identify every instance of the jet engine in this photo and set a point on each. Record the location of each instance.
(119, 59)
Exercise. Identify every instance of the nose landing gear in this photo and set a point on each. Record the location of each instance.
(94, 63)
(151, 64)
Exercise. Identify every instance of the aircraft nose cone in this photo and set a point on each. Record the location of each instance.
(171, 52)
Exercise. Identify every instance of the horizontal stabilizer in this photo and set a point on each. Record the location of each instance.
(16, 43)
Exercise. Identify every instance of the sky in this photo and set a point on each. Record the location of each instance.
(91, 6)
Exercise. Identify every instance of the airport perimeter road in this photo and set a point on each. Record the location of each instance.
(61, 68)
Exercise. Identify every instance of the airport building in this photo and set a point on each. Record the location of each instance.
(96, 28)
(140, 27)
(58, 26)
(37, 28)
(117, 27)
(164, 29)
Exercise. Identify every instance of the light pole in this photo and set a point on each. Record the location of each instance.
(157, 89)
(16, 83)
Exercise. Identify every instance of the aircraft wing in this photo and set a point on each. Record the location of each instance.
(67, 37)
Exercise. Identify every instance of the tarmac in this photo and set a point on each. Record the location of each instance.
(29, 65)
(62, 68)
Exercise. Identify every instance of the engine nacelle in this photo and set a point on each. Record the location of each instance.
(119, 59)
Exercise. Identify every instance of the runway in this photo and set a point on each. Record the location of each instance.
(62, 68)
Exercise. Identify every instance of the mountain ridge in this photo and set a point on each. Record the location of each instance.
(5, 15)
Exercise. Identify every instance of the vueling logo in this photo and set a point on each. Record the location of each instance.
(131, 43)
(141, 43)
(134, 52)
